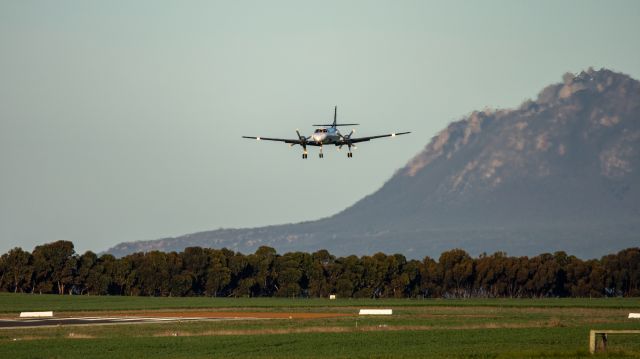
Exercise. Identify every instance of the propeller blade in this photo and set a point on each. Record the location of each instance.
(303, 141)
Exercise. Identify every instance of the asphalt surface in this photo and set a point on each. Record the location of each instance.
(52, 322)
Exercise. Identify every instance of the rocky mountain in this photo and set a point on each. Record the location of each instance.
(561, 172)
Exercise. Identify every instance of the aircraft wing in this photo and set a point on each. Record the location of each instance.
(285, 140)
(363, 139)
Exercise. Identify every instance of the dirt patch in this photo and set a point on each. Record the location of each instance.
(335, 329)
(447, 316)
(235, 315)
(255, 331)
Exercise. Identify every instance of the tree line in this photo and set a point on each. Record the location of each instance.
(56, 268)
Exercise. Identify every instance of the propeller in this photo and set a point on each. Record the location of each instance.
(303, 140)
(353, 130)
(347, 140)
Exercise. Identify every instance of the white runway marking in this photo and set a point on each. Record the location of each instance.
(75, 321)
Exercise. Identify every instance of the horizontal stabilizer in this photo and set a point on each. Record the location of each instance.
(338, 124)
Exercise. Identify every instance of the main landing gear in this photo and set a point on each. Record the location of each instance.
(304, 156)
(349, 154)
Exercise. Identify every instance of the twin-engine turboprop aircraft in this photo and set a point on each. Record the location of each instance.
(327, 135)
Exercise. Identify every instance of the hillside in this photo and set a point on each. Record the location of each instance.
(560, 172)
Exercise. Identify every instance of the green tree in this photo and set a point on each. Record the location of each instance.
(288, 269)
(346, 274)
(16, 269)
(457, 267)
(318, 273)
(242, 279)
(623, 272)
(491, 279)
(120, 271)
(412, 272)
(86, 264)
(344, 287)
(152, 274)
(55, 266)
(371, 281)
(543, 281)
(99, 278)
(430, 278)
(395, 278)
(196, 264)
(218, 274)
(262, 264)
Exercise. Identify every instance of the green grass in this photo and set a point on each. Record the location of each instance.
(14, 303)
(547, 328)
(497, 343)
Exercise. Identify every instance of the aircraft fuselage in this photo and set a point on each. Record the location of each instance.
(327, 136)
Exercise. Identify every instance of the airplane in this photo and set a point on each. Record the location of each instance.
(327, 135)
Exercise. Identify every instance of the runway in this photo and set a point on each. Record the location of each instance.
(149, 317)
(75, 321)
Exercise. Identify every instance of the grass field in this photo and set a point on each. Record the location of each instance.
(13, 303)
(419, 328)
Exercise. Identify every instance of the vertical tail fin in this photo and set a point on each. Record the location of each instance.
(335, 115)
(335, 120)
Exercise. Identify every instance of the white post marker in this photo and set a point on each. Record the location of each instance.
(332, 296)
(375, 312)
(634, 315)
(36, 314)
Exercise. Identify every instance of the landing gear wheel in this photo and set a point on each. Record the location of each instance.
(304, 156)
(349, 155)
(321, 155)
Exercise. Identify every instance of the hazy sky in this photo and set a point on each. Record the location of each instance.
(121, 121)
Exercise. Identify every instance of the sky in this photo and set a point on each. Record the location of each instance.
(122, 121)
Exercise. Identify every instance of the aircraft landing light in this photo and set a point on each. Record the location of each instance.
(258, 138)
